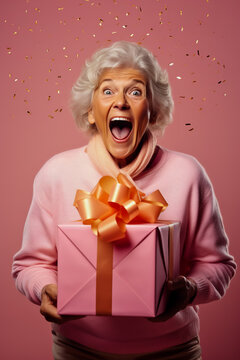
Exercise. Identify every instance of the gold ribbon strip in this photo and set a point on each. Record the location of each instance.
(111, 205)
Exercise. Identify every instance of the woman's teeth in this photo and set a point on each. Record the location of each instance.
(120, 127)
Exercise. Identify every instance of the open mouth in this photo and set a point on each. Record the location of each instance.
(120, 128)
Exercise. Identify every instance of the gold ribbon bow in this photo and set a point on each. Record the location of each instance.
(113, 203)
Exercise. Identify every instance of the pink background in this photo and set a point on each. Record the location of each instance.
(43, 46)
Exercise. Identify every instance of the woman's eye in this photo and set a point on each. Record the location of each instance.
(107, 92)
(136, 92)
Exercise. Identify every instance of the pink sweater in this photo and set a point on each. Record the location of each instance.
(204, 246)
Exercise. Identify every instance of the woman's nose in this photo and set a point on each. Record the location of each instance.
(121, 102)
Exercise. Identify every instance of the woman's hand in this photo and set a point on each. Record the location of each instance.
(181, 292)
(48, 306)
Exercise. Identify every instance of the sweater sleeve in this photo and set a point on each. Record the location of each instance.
(35, 264)
(210, 265)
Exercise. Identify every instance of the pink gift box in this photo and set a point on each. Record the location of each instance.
(141, 266)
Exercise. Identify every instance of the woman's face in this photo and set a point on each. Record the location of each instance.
(120, 110)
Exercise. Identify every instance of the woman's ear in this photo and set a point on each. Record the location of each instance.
(91, 119)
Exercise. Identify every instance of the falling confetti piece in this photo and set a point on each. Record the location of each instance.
(30, 29)
(181, 12)
(182, 96)
(191, 129)
(60, 9)
(213, 59)
(51, 117)
(191, 98)
(60, 110)
(114, 32)
(188, 124)
(69, 69)
(124, 26)
(9, 75)
(204, 99)
(14, 95)
(200, 109)
(37, 9)
(131, 35)
(116, 18)
(64, 47)
(182, 28)
(196, 41)
(207, 15)
(28, 112)
(15, 33)
(49, 97)
(198, 52)
(171, 64)
(178, 77)
(94, 35)
(78, 19)
(127, 13)
(50, 70)
(28, 90)
(59, 76)
(16, 80)
(58, 91)
(219, 82)
(56, 110)
(225, 94)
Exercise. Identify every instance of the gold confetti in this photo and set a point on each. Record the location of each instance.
(64, 48)
(207, 15)
(200, 109)
(181, 12)
(59, 76)
(178, 77)
(50, 70)
(36, 22)
(28, 90)
(191, 98)
(37, 9)
(69, 69)
(127, 13)
(60, 9)
(114, 32)
(66, 56)
(124, 26)
(77, 38)
(16, 80)
(94, 35)
(49, 97)
(58, 91)
(30, 29)
(25, 101)
(78, 19)
(196, 41)
(182, 28)
(213, 59)
(28, 112)
(14, 95)
(204, 99)
(15, 33)
(56, 110)
(116, 18)
(9, 75)
(50, 116)
(225, 94)
(171, 64)
(60, 110)
(182, 97)
(131, 35)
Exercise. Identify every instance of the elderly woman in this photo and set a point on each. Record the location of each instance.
(122, 98)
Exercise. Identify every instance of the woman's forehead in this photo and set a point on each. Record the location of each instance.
(122, 74)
